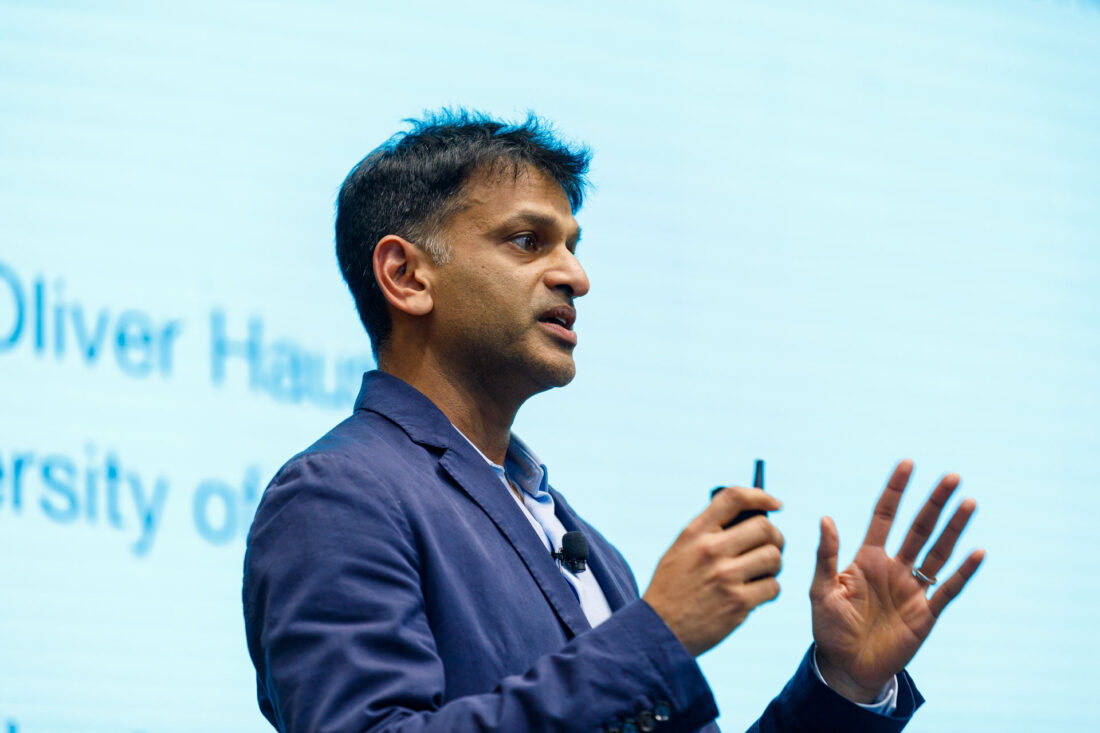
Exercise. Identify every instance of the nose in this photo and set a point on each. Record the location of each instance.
(567, 274)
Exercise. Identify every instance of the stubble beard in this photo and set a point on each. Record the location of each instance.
(513, 371)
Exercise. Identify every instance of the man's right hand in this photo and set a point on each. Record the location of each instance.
(710, 579)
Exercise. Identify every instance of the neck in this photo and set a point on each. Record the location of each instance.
(480, 410)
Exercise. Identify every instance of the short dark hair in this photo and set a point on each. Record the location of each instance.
(410, 185)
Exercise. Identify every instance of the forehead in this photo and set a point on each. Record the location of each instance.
(497, 193)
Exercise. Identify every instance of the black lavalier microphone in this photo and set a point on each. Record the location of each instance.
(573, 554)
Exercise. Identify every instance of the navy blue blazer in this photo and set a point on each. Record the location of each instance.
(390, 584)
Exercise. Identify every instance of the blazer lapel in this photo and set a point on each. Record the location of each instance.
(478, 481)
(425, 424)
(617, 588)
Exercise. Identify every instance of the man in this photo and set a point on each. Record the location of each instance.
(400, 575)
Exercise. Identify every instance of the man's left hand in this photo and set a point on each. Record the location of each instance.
(871, 619)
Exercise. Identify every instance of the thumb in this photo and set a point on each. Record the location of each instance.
(827, 550)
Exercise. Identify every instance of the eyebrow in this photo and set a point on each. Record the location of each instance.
(538, 220)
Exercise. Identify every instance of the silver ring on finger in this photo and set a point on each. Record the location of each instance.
(921, 577)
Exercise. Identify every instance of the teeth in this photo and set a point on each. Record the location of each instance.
(556, 319)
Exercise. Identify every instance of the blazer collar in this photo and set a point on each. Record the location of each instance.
(425, 424)
(407, 407)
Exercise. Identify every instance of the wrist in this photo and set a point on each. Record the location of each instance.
(844, 684)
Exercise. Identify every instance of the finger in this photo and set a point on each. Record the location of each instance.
(748, 535)
(926, 519)
(730, 502)
(827, 550)
(887, 506)
(759, 562)
(761, 591)
(945, 545)
(954, 585)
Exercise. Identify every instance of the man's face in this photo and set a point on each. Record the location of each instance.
(503, 305)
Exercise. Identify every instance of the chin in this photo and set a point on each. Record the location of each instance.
(565, 375)
(555, 374)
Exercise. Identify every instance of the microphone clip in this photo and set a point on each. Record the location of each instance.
(573, 555)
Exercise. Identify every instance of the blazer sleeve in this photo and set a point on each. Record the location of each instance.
(338, 633)
(807, 705)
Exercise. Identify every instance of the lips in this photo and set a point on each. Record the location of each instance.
(562, 315)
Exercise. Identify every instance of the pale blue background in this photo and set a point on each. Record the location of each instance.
(827, 234)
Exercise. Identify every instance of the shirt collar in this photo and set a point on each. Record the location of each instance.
(524, 468)
(521, 466)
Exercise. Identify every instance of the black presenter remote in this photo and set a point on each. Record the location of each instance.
(758, 483)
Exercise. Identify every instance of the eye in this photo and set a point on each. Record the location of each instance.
(527, 241)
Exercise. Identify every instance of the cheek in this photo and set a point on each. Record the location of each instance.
(483, 296)
(491, 292)
(474, 307)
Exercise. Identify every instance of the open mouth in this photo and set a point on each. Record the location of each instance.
(559, 321)
(562, 315)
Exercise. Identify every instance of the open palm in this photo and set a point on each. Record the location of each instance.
(870, 619)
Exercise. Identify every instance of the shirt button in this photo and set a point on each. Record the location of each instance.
(646, 721)
(662, 711)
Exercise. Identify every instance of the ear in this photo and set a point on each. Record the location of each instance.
(403, 272)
